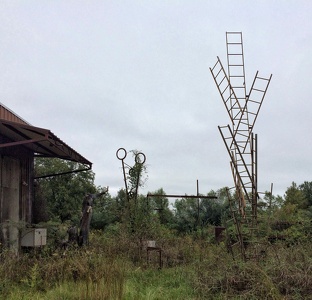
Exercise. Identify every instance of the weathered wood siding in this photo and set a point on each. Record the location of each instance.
(16, 192)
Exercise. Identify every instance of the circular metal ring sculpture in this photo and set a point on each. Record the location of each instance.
(140, 158)
(121, 153)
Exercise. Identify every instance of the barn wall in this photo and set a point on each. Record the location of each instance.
(27, 189)
(16, 192)
(10, 196)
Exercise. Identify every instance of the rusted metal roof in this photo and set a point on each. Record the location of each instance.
(9, 115)
(41, 141)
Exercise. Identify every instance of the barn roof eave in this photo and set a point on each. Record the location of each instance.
(40, 141)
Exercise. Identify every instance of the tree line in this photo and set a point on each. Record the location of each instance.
(59, 199)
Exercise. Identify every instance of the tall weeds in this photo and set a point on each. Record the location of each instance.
(115, 267)
(285, 273)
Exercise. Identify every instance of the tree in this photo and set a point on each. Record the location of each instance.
(306, 189)
(186, 215)
(272, 201)
(291, 219)
(63, 194)
(211, 210)
(160, 207)
(107, 211)
(294, 195)
(194, 213)
(121, 204)
(222, 194)
(137, 174)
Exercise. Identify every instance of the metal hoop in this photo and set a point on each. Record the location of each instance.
(138, 157)
(119, 153)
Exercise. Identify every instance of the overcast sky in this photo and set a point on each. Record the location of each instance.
(135, 74)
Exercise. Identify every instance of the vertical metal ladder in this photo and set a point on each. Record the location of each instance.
(236, 69)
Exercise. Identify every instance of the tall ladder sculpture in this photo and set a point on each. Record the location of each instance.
(239, 139)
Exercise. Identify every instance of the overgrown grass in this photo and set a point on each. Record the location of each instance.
(116, 267)
(171, 283)
(284, 273)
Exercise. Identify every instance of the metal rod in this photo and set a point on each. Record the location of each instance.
(182, 196)
(64, 173)
(197, 193)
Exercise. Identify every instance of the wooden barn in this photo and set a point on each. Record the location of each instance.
(20, 144)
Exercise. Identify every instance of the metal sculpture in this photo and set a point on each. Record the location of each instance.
(240, 141)
(197, 196)
(132, 175)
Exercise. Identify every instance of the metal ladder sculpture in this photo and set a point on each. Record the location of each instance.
(239, 139)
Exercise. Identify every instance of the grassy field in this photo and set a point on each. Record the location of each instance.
(116, 267)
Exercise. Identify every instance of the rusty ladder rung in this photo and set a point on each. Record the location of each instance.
(254, 101)
(262, 78)
(221, 80)
(225, 89)
(262, 91)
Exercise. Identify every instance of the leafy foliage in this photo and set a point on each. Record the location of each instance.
(159, 206)
(106, 211)
(59, 199)
(306, 189)
(63, 194)
(295, 195)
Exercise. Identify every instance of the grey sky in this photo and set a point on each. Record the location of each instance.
(135, 74)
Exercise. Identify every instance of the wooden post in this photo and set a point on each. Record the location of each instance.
(85, 220)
